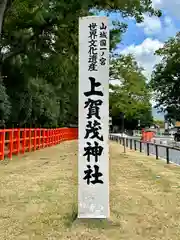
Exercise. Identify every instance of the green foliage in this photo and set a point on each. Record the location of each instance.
(165, 78)
(39, 56)
(132, 96)
(5, 106)
(160, 123)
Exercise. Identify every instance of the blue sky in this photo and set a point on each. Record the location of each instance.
(142, 40)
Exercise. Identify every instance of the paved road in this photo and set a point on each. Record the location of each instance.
(174, 155)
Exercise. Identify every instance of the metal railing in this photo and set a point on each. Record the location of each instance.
(165, 152)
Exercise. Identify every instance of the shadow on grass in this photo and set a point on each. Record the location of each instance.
(72, 220)
(15, 158)
(71, 216)
(94, 223)
(5, 161)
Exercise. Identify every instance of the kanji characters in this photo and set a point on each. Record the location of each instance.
(103, 43)
(92, 47)
(92, 130)
(93, 148)
(94, 85)
(96, 174)
(94, 151)
(93, 108)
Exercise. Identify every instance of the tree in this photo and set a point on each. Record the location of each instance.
(160, 123)
(132, 96)
(5, 105)
(38, 51)
(166, 78)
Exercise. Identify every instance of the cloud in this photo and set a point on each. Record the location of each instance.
(160, 28)
(151, 25)
(168, 21)
(169, 29)
(156, 3)
(169, 6)
(144, 54)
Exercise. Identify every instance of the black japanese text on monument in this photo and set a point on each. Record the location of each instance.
(103, 43)
(93, 149)
(92, 47)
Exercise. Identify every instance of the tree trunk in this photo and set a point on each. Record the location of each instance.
(3, 4)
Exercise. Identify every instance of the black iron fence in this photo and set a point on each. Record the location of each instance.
(165, 152)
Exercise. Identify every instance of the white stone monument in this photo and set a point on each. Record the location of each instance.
(93, 160)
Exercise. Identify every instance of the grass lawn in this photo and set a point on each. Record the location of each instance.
(38, 196)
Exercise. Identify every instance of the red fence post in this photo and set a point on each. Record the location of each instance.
(29, 144)
(14, 141)
(48, 137)
(70, 134)
(58, 135)
(67, 134)
(18, 140)
(51, 137)
(2, 143)
(51, 134)
(23, 141)
(35, 136)
(54, 137)
(39, 138)
(25, 138)
(43, 137)
(62, 135)
(10, 144)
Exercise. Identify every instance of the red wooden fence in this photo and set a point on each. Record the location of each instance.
(15, 141)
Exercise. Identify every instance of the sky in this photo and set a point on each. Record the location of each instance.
(142, 40)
